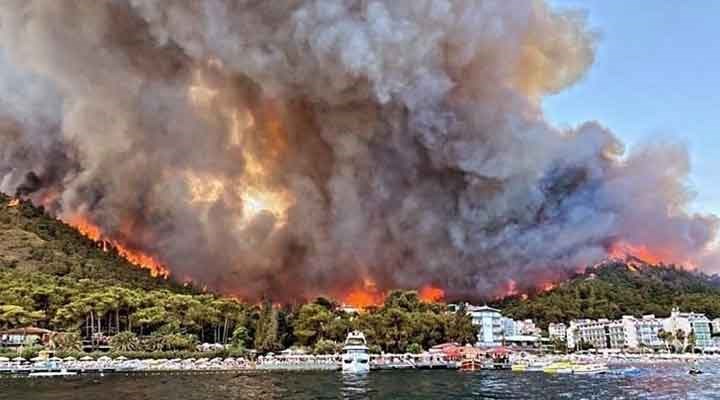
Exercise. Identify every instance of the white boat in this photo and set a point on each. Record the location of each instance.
(537, 366)
(590, 369)
(356, 355)
(50, 374)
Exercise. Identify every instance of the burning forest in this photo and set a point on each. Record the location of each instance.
(297, 148)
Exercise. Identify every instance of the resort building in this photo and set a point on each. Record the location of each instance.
(490, 324)
(648, 328)
(625, 333)
(691, 323)
(510, 327)
(527, 327)
(558, 330)
(715, 326)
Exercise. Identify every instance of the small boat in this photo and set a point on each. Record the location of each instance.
(695, 371)
(356, 355)
(469, 365)
(51, 374)
(559, 367)
(521, 366)
(590, 369)
(537, 366)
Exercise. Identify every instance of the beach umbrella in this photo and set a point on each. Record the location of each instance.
(104, 359)
(70, 359)
(4, 359)
(229, 359)
(121, 358)
(56, 359)
(37, 359)
(87, 358)
(18, 359)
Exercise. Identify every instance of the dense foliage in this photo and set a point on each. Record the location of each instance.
(614, 289)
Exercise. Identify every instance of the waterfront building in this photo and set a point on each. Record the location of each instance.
(690, 323)
(558, 330)
(490, 323)
(510, 327)
(589, 332)
(648, 328)
(715, 326)
(527, 327)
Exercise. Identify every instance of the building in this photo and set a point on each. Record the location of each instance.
(527, 327)
(24, 337)
(588, 332)
(625, 333)
(690, 323)
(490, 324)
(648, 330)
(558, 331)
(510, 327)
(715, 326)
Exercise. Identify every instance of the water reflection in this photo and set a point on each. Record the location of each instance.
(355, 386)
(657, 382)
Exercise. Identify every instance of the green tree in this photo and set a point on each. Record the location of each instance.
(124, 341)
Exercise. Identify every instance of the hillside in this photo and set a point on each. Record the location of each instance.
(34, 242)
(616, 288)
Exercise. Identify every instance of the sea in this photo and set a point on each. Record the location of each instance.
(644, 382)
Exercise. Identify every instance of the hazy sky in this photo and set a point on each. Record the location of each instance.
(656, 75)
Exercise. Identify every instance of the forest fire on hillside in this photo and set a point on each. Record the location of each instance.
(135, 257)
(288, 150)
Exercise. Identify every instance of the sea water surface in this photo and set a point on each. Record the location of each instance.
(661, 382)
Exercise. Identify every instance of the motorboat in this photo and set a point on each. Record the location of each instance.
(559, 367)
(537, 366)
(356, 355)
(51, 374)
(470, 364)
(590, 369)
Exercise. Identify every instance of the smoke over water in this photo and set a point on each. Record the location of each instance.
(295, 148)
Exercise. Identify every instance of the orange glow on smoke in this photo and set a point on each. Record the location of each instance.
(135, 257)
(431, 294)
(14, 203)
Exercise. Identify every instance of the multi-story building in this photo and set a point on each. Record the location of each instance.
(558, 330)
(715, 326)
(490, 324)
(510, 327)
(590, 332)
(527, 327)
(690, 323)
(605, 334)
(648, 329)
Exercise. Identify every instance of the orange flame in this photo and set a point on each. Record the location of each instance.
(644, 253)
(431, 294)
(365, 296)
(14, 203)
(135, 257)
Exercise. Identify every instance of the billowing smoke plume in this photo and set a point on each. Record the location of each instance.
(293, 148)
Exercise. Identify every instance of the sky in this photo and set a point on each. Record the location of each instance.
(656, 76)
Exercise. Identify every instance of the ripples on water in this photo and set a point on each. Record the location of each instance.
(664, 382)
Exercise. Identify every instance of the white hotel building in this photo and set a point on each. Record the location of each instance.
(626, 333)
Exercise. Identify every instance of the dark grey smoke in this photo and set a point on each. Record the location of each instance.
(291, 148)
